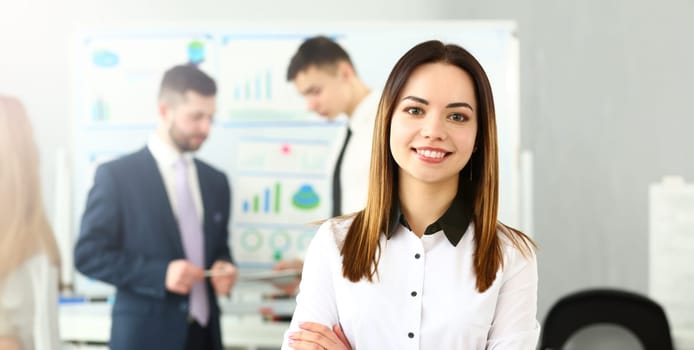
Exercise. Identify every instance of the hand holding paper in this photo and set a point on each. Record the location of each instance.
(181, 275)
(289, 285)
(223, 276)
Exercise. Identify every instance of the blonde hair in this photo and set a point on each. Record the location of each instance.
(24, 228)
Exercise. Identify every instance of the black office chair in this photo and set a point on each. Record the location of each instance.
(639, 314)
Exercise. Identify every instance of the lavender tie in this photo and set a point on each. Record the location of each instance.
(193, 241)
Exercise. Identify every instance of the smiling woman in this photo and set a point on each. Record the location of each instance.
(392, 276)
(434, 126)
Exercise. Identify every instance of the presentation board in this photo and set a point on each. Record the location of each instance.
(278, 156)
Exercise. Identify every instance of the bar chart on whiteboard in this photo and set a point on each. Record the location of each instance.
(282, 187)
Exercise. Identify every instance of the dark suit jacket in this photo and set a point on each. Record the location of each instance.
(129, 235)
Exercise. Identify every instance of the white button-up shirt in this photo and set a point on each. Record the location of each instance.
(424, 296)
(166, 157)
(354, 171)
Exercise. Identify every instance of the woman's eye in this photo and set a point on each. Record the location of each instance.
(414, 110)
(457, 117)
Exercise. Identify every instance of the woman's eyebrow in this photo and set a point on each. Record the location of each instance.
(460, 104)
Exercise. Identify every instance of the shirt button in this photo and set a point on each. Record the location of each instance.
(414, 294)
(416, 256)
(410, 335)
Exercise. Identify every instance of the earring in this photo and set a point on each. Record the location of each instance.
(470, 172)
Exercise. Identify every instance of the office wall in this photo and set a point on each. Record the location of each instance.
(606, 109)
(605, 105)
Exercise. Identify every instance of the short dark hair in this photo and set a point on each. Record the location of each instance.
(182, 78)
(319, 51)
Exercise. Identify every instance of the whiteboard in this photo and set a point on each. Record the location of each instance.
(278, 156)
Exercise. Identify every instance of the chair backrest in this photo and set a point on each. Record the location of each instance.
(639, 314)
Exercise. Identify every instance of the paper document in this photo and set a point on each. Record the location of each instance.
(280, 277)
(210, 273)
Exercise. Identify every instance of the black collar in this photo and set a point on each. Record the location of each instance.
(453, 222)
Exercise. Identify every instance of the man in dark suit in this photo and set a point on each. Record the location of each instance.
(155, 220)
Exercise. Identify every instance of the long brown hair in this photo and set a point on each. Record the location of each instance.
(24, 228)
(360, 251)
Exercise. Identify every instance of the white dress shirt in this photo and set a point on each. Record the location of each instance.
(166, 157)
(29, 304)
(424, 296)
(354, 171)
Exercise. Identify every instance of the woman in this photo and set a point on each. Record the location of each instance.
(29, 264)
(426, 265)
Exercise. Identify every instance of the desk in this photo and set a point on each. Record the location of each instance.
(91, 323)
(241, 324)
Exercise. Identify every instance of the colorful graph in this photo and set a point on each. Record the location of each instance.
(262, 244)
(269, 201)
(105, 58)
(257, 88)
(306, 198)
(196, 52)
(251, 239)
